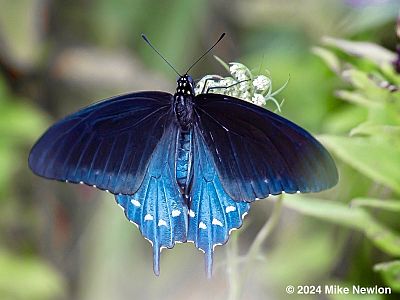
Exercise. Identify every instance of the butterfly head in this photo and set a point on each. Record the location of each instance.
(185, 85)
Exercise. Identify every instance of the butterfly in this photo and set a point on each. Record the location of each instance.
(183, 167)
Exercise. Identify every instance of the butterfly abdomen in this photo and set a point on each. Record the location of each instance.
(184, 160)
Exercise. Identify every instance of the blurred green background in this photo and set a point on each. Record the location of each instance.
(62, 241)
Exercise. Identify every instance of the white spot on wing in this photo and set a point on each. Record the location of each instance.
(148, 217)
(80, 182)
(135, 202)
(230, 208)
(161, 222)
(216, 222)
(191, 213)
(176, 213)
(202, 225)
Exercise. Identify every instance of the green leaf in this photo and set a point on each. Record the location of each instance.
(328, 57)
(366, 86)
(343, 120)
(374, 158)
(388, 70)
(356, 98)
(371, 51)
(387, 204)
(344, 215)
(327, 210)
(368, 128)
(390, 272)
(28, 278)
(387, 114)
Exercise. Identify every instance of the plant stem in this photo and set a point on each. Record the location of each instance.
(232, 267)
(255, 247)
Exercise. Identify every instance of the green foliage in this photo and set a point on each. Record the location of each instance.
(390, 272)
(353, 217)
(15, 134)
(24, 276)
(28, 278)
(165, 23)
(371, 147)
(378, 160)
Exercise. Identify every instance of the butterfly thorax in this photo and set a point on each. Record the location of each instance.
(183, 102)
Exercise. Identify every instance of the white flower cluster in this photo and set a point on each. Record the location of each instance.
(241, 84)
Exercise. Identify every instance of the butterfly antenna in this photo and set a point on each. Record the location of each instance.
(148, 43)
(200, 58)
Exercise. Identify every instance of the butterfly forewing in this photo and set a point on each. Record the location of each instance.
(107, 144)
(258, 153)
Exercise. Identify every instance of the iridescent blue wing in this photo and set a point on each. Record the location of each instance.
(107, 144)
(158, 208)
(258, 153)
(213, 213)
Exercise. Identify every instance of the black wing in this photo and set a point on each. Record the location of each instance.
(258, 153)
(107, 144)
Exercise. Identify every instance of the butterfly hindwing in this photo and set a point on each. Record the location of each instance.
(107, 144)
(158, 208)
(258, 153)
(213, 213)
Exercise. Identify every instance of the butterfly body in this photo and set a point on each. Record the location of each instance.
(183, 109)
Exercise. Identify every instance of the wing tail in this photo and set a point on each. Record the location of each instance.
(213, 213)
(158, 208)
